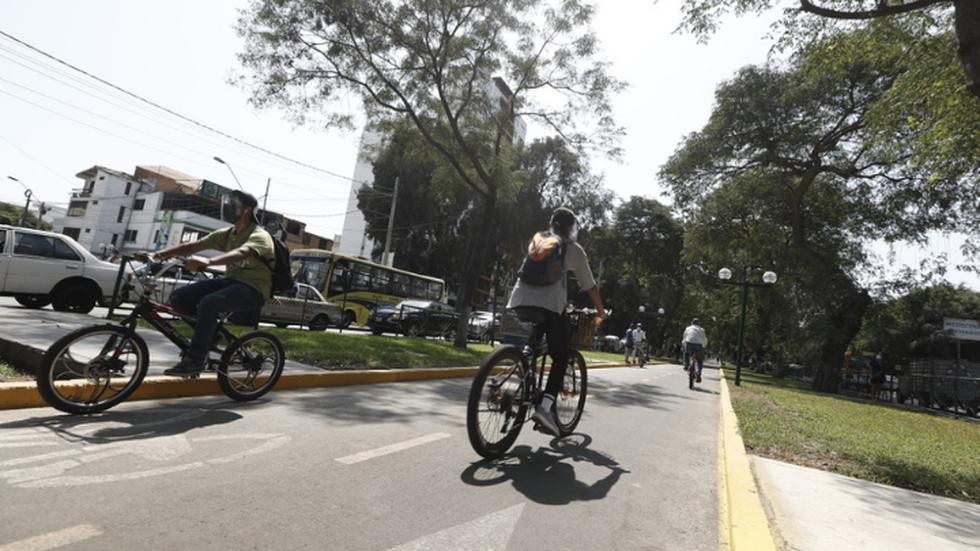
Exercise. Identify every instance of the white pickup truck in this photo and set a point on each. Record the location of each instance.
(39, 268)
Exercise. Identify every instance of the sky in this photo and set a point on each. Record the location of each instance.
(182, 53)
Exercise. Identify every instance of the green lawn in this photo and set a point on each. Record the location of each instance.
(8, 373)
(912, 449)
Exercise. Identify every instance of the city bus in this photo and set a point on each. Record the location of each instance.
(358, 285)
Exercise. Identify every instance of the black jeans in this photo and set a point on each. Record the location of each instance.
(208, 301)
(557, 330)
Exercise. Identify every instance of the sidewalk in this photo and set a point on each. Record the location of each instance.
(814, 510)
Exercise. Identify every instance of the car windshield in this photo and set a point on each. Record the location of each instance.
(421, 304)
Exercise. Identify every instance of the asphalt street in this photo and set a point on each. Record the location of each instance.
(375, 467)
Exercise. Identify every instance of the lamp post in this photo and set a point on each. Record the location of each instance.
(659, 313)
(222, 161)
(27, 193)
(725, 275)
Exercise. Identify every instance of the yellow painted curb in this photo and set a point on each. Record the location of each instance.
(25, 395)
(744, 526)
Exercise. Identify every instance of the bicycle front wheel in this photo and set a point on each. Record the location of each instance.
(497, 404)
(92, 369)
(571, 402)
(251, 366)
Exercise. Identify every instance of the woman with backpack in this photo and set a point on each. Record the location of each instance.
(541, 295)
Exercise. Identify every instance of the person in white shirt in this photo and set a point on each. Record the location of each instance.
(694, 340)
(639, 343)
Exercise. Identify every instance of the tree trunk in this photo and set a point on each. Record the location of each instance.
(968, 36)
(475, 259)
(845, 322)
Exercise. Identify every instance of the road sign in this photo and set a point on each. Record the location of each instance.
(963, 330)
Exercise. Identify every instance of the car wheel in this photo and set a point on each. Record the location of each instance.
(349, 317)
(74, 297)
(319, 323)
(33, 301)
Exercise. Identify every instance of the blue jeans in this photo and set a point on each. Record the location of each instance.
(694, 347)
(208, 301)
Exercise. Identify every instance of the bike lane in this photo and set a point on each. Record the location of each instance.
(368, 467)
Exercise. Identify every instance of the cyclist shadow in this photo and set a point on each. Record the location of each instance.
(544, 476)
(118, 426)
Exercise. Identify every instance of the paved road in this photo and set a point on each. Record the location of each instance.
(368, 467)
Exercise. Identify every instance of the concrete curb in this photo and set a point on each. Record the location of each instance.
(744, 525)
(24, 394)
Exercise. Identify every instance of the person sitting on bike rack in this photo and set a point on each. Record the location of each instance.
(541, 293)
(247, 249)
(694, 341)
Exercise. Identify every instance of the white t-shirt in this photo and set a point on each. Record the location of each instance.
(554, 297)
(639, 336)
(695, 334)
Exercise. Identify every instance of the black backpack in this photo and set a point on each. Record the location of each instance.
(545, 261)
(282, 274)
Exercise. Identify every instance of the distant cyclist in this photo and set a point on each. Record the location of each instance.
(694, 342)
(247, 251)
(541, 293)
(640, 344)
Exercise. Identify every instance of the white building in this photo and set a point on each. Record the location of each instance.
(354, 240)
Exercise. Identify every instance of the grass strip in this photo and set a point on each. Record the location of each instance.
(899, 446)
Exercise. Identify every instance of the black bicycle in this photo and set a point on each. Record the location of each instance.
(95, 368)
(510, 381)
(692, 370)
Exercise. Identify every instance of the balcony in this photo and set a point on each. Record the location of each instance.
(82, 193)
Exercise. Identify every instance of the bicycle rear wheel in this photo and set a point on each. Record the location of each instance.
(571, 402)
(691, 372)
(92, 369)
(251, 366)
(497, 407)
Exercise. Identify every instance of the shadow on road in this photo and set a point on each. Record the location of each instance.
(545, 475)
(121, 425)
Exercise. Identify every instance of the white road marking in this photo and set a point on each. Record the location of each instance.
(488, 533)
(37, 458)
(385, 450)
(27, 444)
(54, 540)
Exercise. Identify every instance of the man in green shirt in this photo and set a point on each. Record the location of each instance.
(248, 253)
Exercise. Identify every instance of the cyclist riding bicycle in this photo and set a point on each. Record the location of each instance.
(694, 341)
(541, 294)
(248, 249)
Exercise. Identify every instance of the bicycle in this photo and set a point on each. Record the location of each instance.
(692, 371)
(510, 381)
(95, 368)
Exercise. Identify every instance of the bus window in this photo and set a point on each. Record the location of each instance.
(361, 280)
(435, 290)
(340, 269)
(400, 285)
(381, 281)
(311, 271)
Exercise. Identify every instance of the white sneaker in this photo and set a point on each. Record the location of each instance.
(546, 419)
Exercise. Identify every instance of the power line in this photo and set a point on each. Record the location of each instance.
(171, 111)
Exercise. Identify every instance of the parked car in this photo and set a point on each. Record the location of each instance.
(414, 318)
(304, 305)
(175, 278)
(608, 343)
(39, 268)
(482, 326)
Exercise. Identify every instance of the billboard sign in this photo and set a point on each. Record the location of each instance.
(961, 329)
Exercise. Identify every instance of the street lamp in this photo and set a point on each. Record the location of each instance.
(27, 193)
(725, 275)
(222, 161)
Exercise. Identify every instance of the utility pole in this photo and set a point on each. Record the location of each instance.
(265, 201)
(40, 212)
(385, 258)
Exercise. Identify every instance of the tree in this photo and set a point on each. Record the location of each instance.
(435, 64)
(810, 127)
(701, 17)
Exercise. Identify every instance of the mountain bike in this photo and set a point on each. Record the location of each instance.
(95, 368)
(511, 380)
(692, 370)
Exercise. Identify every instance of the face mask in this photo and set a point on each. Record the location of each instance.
(231, 210)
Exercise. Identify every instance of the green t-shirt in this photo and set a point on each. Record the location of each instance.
(251, 270)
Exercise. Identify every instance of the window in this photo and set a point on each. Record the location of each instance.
(307, 239)
(130, 236)
(340, 269)
(400, 285)
(139, 204)
(382, 281)
(88, 230)
(156, 237)
(361, 279)
(3, 239)
(73, 233)
(189, 236)
(112, 241)
(293, 227)
(30, 244)
(129, 186)
(101, 178)
(323, 243)
(77, 208)
(122, 212)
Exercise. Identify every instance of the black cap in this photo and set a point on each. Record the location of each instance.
(563, 217)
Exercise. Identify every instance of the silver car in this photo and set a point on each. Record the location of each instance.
(302, 306)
